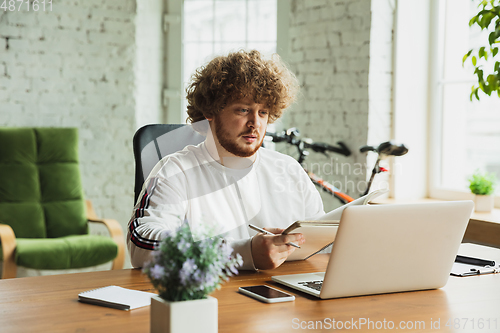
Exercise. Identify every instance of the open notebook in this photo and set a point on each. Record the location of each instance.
(116, 297)
(321, 233)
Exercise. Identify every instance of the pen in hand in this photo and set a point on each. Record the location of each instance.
(269, 233)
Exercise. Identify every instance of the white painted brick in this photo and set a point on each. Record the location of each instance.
(91, 23)
(336, 11)
(111, 14)
(11, 31)
(315, 42)
(359, 7)
(48, 20)
(20, 44)
(29, 59)
(7, 56)
(358, 64)
(71, 22)
(315, 4)
(338, 93)
(15, 71)
(70, 10)
(100, 38)
(5, 82)
(315, 80)
(119, 27)
(319, 54)
(22, 18)
(355, 37)
(11, 108)
(333, 39)
(43, 72)
(62, 35)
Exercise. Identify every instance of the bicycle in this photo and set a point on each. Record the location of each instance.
(291, 135)
(383, 150)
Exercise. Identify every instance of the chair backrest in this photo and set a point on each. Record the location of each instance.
(40, 187)
(153, 142)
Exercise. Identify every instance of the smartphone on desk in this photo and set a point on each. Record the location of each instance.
(266, 294)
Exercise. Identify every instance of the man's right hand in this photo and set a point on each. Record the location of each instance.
(270, 252)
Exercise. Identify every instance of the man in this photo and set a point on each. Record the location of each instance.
(229, 181)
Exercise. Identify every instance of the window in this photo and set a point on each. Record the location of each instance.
(466, 133)
(216, 27)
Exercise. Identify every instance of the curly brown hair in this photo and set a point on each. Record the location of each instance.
(241, 74)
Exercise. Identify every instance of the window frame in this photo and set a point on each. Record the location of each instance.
(173, 90)
(436, 39)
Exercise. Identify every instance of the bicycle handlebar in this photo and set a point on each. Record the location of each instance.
(320, 147)
(387, 148)
(290, 136)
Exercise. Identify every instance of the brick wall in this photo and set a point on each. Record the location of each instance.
(329, 52)
(74, 67)
(341, 52)
(150, 59)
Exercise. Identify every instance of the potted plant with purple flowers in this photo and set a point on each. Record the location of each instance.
(185, 271)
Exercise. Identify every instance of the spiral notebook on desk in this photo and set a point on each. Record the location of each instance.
(116, 297)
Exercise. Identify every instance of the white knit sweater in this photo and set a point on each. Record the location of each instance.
(191, 186)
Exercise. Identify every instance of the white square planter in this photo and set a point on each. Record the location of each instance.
(483, 203)
(185, 316)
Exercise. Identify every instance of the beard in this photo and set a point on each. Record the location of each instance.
(241, 150)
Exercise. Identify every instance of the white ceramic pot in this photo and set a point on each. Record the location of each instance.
(483, 203)
(194, 316)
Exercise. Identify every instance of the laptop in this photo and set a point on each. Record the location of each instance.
(389, 248)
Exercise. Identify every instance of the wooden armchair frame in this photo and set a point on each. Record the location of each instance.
(8, 240)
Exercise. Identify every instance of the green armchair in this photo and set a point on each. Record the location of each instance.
(43, 215)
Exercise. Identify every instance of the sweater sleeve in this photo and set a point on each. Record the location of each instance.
(161, 206)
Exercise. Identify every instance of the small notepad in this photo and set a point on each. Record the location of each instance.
(116, 297)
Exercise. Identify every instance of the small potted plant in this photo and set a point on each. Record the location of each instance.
(483, 186)
(185, 271)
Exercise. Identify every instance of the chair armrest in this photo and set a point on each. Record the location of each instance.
(8, 240)
(115, 231)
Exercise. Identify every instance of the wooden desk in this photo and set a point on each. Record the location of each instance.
(49, 303)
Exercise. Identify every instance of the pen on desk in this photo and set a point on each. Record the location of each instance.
(269, 233)
(474, 261)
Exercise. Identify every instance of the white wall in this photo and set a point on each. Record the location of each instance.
(411, 102)
(380, 85)
(149, 69)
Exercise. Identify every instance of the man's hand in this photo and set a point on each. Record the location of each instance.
(269, 252)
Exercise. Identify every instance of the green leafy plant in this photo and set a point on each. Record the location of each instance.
(183, 269)
(488, 79)
(482, 183)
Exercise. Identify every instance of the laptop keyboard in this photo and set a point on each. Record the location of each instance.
(316, 285)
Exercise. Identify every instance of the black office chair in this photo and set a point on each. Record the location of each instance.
(153, 142)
